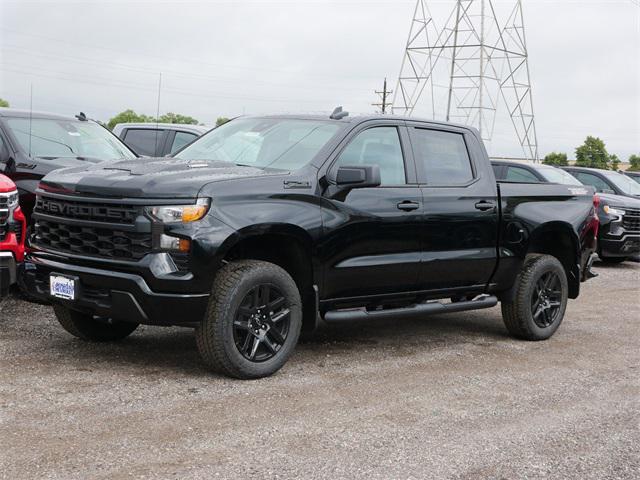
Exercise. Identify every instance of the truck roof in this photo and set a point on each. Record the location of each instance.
(363, 118)
(169, 126)
(16, 112)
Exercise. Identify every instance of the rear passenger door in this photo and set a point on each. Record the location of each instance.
(460, 226)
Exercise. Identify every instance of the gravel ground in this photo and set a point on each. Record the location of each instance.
(444, 397)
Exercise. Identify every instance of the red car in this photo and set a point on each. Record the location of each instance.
(13, 230)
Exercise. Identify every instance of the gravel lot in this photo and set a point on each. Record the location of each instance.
(444, 397)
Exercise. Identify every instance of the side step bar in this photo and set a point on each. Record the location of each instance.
(419, 310)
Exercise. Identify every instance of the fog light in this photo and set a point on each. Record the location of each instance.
(168, 242)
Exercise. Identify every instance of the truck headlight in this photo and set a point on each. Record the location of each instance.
(181, 213)
(12, 200)
(613, 211)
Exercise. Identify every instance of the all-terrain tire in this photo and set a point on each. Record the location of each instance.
(518, 315)
(215, 334)
(86, 327)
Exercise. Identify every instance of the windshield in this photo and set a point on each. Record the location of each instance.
(54, 138)
(286, 144)
(624, 183)
(555, 175)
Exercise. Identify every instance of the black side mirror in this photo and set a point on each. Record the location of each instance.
(358, 176)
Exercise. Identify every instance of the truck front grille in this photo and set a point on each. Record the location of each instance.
(84, 240)
(631, 219)
(4, 218)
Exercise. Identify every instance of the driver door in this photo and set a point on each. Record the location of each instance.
(373, 240)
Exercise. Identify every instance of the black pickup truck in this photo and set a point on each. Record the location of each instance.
(264, 225)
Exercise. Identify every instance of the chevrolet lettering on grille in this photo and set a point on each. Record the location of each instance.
(97, 212)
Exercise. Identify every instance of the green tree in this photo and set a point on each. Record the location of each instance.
(634, 163)
(129, 116)
(615, 162)
(221, 121)
(3, 103)
(554, 158)
(177, 118)
(592, 153)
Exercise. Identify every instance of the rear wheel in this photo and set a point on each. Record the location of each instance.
(253, 320)
(87, 327)
(540, 299)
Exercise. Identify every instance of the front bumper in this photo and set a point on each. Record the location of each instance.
(624, 246)
(114, 294)
(8, 271)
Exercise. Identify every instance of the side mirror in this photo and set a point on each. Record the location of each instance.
(358, 176)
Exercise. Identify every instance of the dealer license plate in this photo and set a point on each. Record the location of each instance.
(62, 287)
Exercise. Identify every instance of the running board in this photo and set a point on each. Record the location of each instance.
(421, 309)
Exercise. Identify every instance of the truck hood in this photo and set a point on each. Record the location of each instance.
(619, 200)
(147, 177)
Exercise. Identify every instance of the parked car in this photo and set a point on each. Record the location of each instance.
(33, 144)
(266, 223)
(13, 230)
(619, 212)
(635, 176)
(529, 172)
(606, 181)
(158, 139)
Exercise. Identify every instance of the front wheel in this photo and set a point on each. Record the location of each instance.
(87, 327)
(253, 320)
(540, 299)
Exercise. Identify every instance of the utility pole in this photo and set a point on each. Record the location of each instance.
(384, 96)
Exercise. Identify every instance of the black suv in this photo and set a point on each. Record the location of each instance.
(265, 224)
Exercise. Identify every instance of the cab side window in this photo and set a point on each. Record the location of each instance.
(144, 141)
(593, 180)
(442, 157)
(181, 139)
(377, 146)
(519, 174)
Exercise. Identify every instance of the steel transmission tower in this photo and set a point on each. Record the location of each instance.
(467, 68)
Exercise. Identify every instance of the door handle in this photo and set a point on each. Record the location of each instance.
(408, 205)
(484, 205)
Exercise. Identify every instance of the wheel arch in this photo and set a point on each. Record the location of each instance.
(559, 240)
(288, 246)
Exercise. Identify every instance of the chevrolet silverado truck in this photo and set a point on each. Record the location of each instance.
(265, 225)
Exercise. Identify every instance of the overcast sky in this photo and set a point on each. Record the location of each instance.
(226, 58)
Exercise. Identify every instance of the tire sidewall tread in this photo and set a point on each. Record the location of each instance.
(214, 335)
(517, 314)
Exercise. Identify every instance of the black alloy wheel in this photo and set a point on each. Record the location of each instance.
(546, 299)
(261, 323)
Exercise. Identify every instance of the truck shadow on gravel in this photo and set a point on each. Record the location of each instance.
(163, 351)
